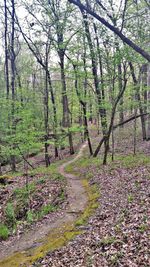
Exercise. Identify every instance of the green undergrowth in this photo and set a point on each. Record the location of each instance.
(57, 237)
(132, 161)
(4, 232)
(82, 164)
(124, 161)
(50, 172)
(17, 210)
(60, 236)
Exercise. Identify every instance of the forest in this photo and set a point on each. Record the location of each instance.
(74, 133)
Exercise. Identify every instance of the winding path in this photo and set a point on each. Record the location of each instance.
(35, 239)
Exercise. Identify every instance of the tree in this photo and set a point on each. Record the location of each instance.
(126, 40)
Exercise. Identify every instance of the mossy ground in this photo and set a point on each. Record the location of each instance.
(58, 237)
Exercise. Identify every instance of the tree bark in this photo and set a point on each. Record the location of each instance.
(12, 56)
(148, 86)
(138, 97)
(102, 110)
(6, 49)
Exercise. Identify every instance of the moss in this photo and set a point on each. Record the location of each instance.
(5, 179)
(54, 240)
(93, 195)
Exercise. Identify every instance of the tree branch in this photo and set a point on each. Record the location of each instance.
(126, 40)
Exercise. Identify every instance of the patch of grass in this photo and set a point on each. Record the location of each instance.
(62, 195)
(46, 210)
(42, 180)
(83, 163)
(143, 228)
(30, 216)
(24, 192)
(130, 198)
(114, 259)
(137, 184)
(57, 176)
(10, 214)
(4, 232)
(132, 161)
(108, 240)
(117, 228)
(50, 172)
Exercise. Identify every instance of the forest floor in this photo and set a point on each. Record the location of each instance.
(118, 232)
(32, 237)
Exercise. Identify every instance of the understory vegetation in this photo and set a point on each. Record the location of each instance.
(74, 133)
(24, 203)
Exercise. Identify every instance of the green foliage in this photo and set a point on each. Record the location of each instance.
(82, 163)
(130, 198)
(108, 240)
(24, 192)
(4, 232)
(143, 227)
(10, 214)
(30, 216)
(46, 209)
(131, 160)
(62, 195)
(22, 200)
(41, 180)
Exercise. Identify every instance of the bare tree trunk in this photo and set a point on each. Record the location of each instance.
(135, 130)
(66, 119)
(148, 87)
(138, 97)
(46, 109)
(121, 115)
(102, 110)
(6, 49)
(113, 145)
(106, 138)
(83, 102)
(13, 74)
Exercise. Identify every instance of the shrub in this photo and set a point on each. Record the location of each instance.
(10, 214)
(4, 232)
(29, 216)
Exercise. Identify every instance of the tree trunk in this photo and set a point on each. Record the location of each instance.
(138, 97)
(13, 74)
(66, 119)
(126, 40)
(148, 87)
(46, 109)
(6, 49)
(54, 113)
(121, 115)
(102, 110)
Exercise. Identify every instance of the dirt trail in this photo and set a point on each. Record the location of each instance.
(77, 200)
